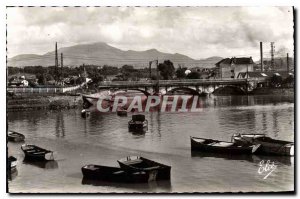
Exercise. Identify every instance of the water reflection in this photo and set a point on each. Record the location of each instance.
(281, 160)
(12, 174)
(153, 186)
(59, 125)
(51, 164)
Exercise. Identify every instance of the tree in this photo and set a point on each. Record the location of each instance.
(289, 81)
(276, 80)
(180, 73)
(166, 69)
(193, 75)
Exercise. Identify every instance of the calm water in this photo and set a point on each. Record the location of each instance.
(103, 138)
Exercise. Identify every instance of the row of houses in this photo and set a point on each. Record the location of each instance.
(243, 67)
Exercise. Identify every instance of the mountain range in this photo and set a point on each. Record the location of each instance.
(103, 54)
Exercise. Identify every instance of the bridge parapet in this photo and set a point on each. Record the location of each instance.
(185, 82)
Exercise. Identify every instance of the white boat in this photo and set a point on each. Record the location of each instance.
(92, 99)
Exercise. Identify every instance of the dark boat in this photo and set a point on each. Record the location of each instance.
(138, 123)
(12, 163)
(85, 113)
(114, 174)
(269, 146)
(35, 153)
(121, 112)
(15, 137)
(216, 146)
(155, 170)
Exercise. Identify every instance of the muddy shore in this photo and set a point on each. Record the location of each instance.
(37, 102)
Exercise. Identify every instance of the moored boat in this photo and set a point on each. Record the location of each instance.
(92, 99)
(85, 113)
(155, 170)
(269, 146)
(15, 137)
(216, 146)
(12, 163)
(138, 123)
(113, 174)
(36, 153)
(121, 112)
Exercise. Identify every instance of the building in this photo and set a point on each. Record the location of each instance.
(265, 75)
(231, 67)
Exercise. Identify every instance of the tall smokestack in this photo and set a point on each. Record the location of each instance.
(56, 62)
(61, 65)
(261, 57)
(287, 62)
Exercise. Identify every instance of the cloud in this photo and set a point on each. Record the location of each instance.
(198, 32)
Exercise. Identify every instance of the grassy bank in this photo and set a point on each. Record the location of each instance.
(36, 102)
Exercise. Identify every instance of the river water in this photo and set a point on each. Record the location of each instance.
(103, 138)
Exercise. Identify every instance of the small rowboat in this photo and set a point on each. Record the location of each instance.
(113, 174)
(138, 123)
(12, 163)
(15, 137)
(216, 146)
(155, 170)
(36, 153)
(85, 113)
(269, 146)
(121, 112)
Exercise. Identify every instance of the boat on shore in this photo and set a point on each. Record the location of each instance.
(121, 112)
(155, 170)
(216, 146)
(35, 153)
(114, 174)
(269, 146)
(12, 163)
(138, 123)
(92, 99)
(15, 137)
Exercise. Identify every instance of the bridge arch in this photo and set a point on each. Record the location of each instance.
(119, 90)
(228, 90)
(190, 90)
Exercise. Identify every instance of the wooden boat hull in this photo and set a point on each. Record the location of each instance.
(122, 113)
(113, 174)
(12, 164)
(207, 146)
(137, 126)
(15, 137)
(35, 153)
(156, 170)
(269, 146)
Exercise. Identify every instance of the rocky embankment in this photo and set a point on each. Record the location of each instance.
(36, 102)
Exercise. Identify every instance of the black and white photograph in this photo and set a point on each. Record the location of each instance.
(150, 99)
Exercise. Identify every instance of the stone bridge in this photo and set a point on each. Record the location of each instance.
(191, 86)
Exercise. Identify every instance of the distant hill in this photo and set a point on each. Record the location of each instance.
(103, 54)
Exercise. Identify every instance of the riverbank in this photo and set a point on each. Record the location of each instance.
(273, 91)
(37, 102)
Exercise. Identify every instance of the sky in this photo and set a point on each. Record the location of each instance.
(198, 32)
